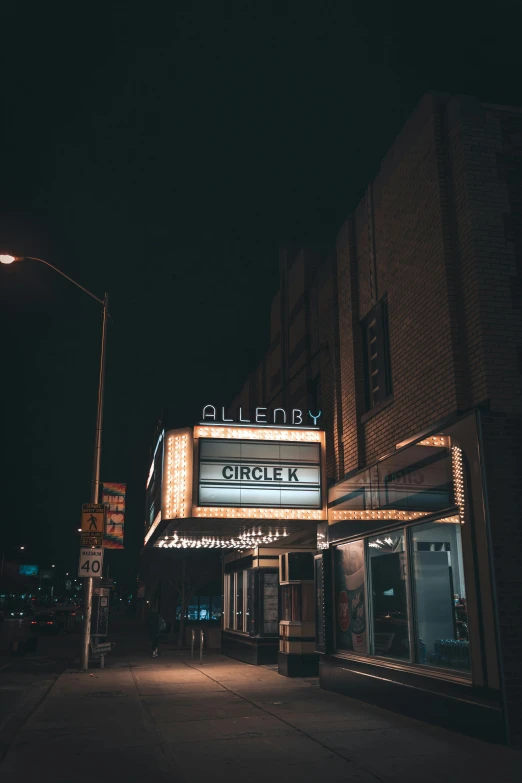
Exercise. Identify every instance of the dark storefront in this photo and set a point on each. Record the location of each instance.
(404, 585)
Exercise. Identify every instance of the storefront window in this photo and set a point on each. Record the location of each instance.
(204, 607)
(270, 603)
(388, 589)
(229, 619)
(350, 599)
(192, 613)
(236, 598)
(439, 594)
(239, 601)
(217, 607)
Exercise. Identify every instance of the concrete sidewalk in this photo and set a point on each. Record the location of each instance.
(171, 719)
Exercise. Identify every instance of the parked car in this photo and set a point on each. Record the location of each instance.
(45, 623)
(68, 619)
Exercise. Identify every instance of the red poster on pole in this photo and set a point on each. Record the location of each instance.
(113, 497)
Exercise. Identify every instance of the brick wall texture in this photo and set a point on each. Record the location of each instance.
(438, 232)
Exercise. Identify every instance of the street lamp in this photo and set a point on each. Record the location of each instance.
(95, 485)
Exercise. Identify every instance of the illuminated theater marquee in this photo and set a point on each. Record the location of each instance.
(259, 474)
(236, 470)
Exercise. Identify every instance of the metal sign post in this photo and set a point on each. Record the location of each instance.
(201, 647)
(192, 643)
(95, 488)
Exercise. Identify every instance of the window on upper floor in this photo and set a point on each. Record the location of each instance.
(377, 355)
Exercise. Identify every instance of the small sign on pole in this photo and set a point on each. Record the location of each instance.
(113, 496)
(90, 541)
(93, 524)
(91, 562)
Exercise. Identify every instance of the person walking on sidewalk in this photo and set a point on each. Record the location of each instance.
(156, 625)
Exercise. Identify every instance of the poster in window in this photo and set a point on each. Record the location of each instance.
(270, 603)
(350, 577)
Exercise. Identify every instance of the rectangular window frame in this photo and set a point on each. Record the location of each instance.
(369, 602)
(467, 677)
(377, 366)
(231, 622)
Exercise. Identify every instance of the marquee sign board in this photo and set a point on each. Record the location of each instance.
(253, 474)
(216, 476)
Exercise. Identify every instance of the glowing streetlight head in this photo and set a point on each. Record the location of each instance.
(5, 259)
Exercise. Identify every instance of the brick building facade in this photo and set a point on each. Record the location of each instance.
(413, 322)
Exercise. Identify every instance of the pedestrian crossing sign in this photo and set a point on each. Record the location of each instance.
(93, 518)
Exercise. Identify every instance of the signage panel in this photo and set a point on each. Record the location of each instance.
(93, 540)
(113, 496)
(93, 517)
(91, 562)
(259, 474)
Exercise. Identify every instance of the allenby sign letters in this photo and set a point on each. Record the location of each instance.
(276, 416)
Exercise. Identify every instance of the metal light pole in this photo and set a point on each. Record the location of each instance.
(95, 485)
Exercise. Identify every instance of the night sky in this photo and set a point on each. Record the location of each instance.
(162, 152)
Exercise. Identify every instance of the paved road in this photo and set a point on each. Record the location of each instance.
(25, 681)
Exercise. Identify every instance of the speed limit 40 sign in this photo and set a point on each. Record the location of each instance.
(91, 562)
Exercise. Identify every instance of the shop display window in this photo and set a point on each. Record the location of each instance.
(236, 597)
(239, 608)
(350, 598)
(200, 608)
(217, 607)
(439, 595)
(416, 605)
(204, 607)
(428, 494)
(229, 619)
(270, 603)
(389, 614)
